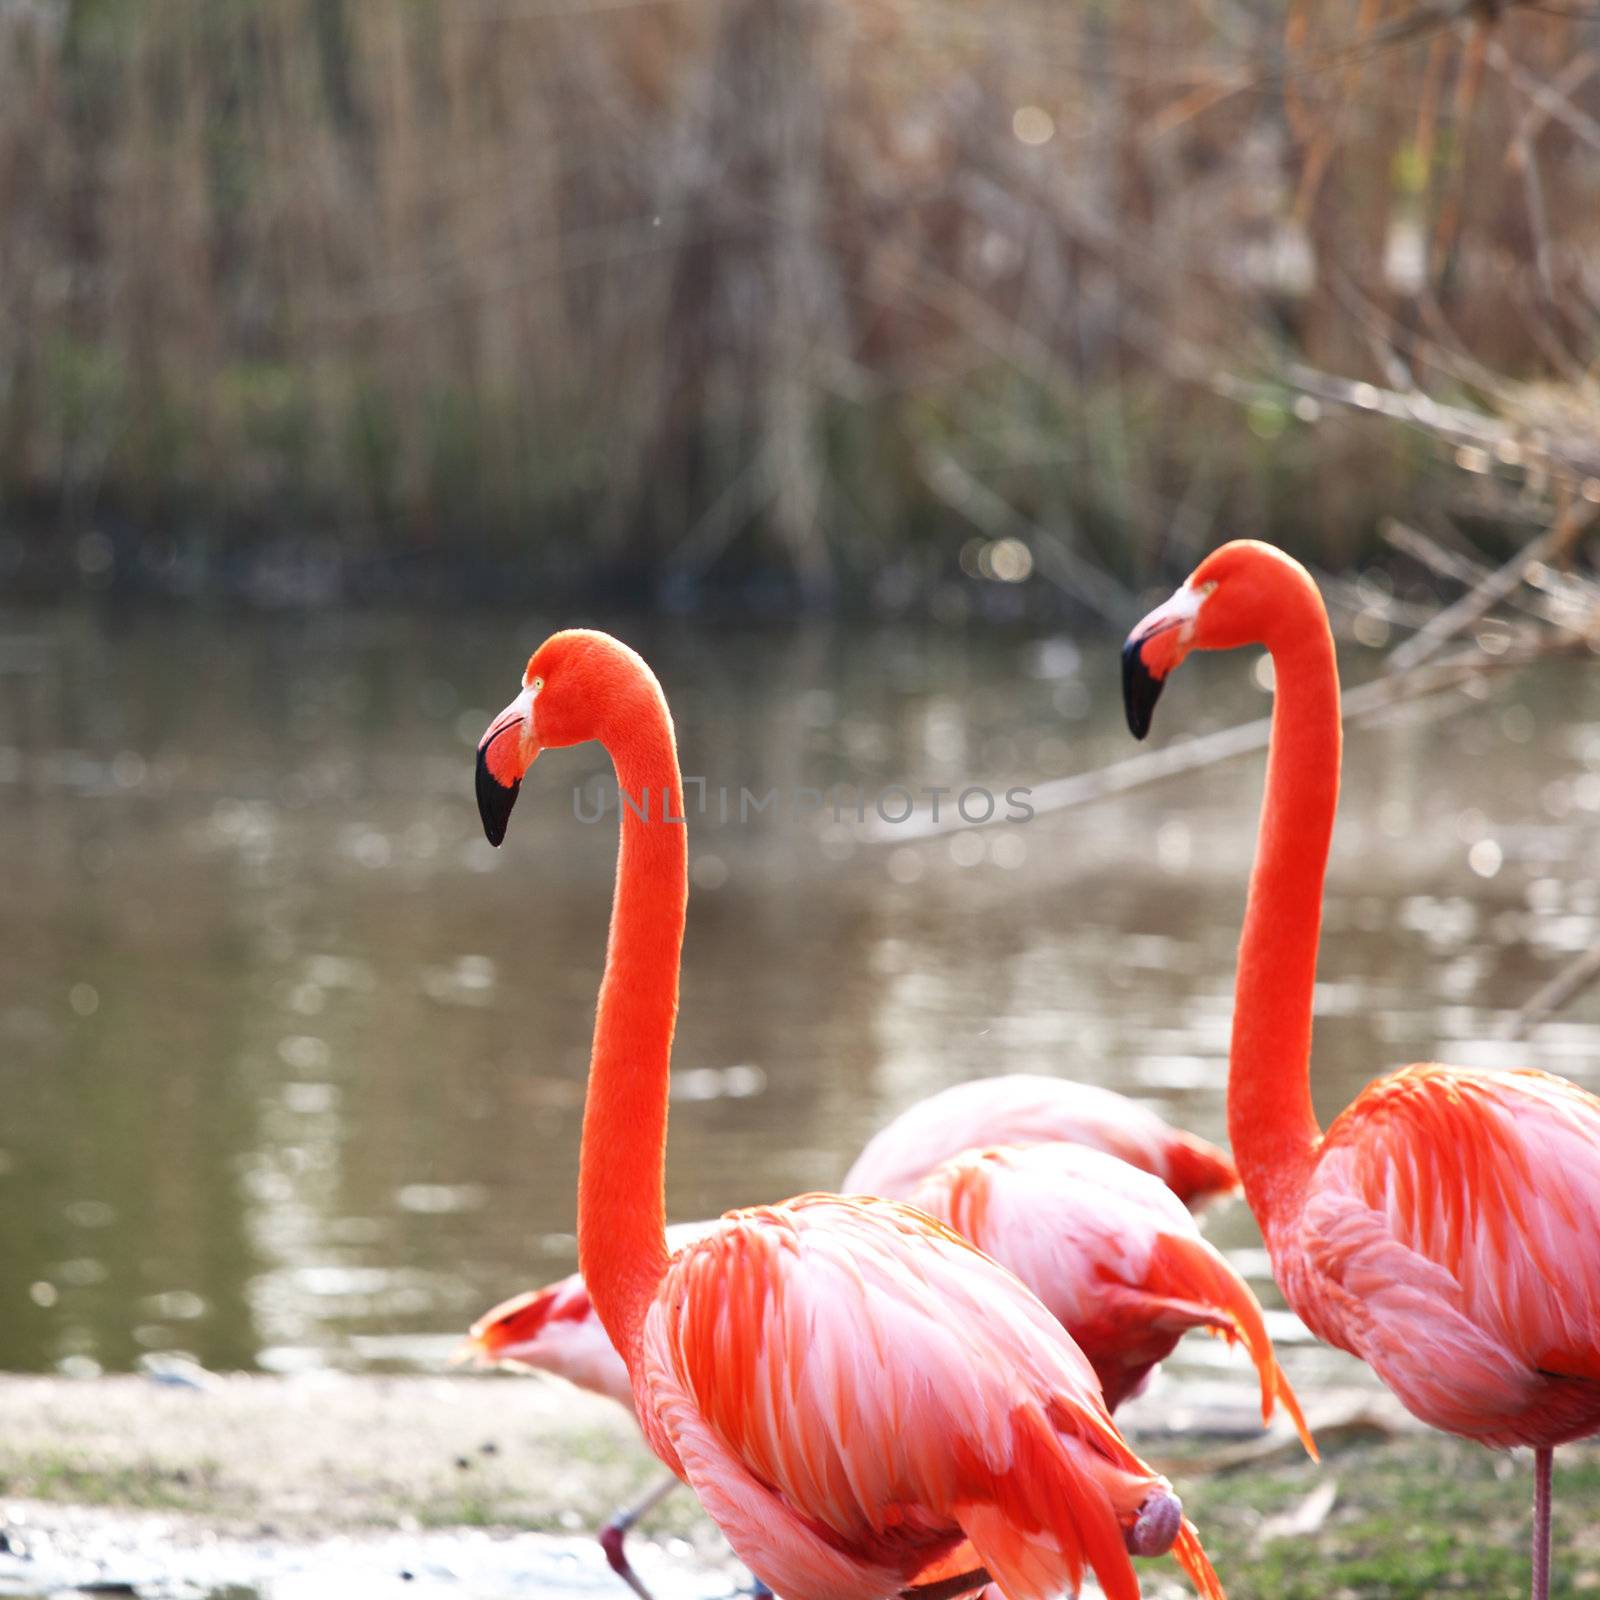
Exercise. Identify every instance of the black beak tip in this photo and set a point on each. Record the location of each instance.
(1140, 688)
(495, 801)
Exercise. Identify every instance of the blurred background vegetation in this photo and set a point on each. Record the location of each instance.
(828, 300)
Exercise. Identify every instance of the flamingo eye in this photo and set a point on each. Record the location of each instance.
(536, 685)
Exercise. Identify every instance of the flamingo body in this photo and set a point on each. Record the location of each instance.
(1109, 1249)
(1025, 1108)
(1113, 1255)
(1448, 1237)
(555, 1329)
(855, 1392)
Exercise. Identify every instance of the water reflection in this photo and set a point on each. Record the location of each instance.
(293, 1062)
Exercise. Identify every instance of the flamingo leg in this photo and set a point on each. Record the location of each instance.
(1543, 1472)
(616, 1530)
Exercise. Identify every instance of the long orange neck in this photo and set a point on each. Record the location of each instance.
(622, 1246)
(1271, 1123)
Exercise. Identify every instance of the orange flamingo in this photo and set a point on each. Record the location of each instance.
(1113, 1255)
(861, 1400)
(555, 1329)
(1444, 1227)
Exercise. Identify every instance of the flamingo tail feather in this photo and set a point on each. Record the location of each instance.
(1191, 1270)
(1191, 1556)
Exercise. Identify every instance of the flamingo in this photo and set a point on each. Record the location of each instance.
(1112, 1253)
(1444, 1227)
(555, 1329)
(1023, 1108)
(862, 1401)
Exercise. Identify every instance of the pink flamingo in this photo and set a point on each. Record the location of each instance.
(1445, 1227)
(1024, 1108)
(555, 1329)
(1112, 1253)
(862, 1401)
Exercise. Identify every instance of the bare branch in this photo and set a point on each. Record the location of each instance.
(1155, 766)
(1476, 603)
(1572, 980)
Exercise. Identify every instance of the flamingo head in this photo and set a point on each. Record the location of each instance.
(513, 1330)
(578, 685)
(1235, 596)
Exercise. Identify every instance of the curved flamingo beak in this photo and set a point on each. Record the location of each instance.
(1153, 649)
(512, 1325)
(505, 753)
(469, 1350)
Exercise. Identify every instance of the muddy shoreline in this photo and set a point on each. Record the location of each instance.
(324, 1484)
(329, 1486)
(297, 1488)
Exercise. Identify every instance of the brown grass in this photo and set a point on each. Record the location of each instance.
(681, 287)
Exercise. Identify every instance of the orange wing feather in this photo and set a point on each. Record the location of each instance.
(1191, 1281)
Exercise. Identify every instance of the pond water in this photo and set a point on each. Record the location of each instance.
(293, 1062)
(71, 1551)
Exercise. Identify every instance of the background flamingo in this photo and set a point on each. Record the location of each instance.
(1446, 1228)
(555, 1329)
(1023, 1108)
(861, 1400)
(1112, 1253)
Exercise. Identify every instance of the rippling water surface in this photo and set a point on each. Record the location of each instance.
(292, 1062)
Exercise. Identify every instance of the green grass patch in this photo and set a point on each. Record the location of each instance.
(1412, 1518)
(141, 1486)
